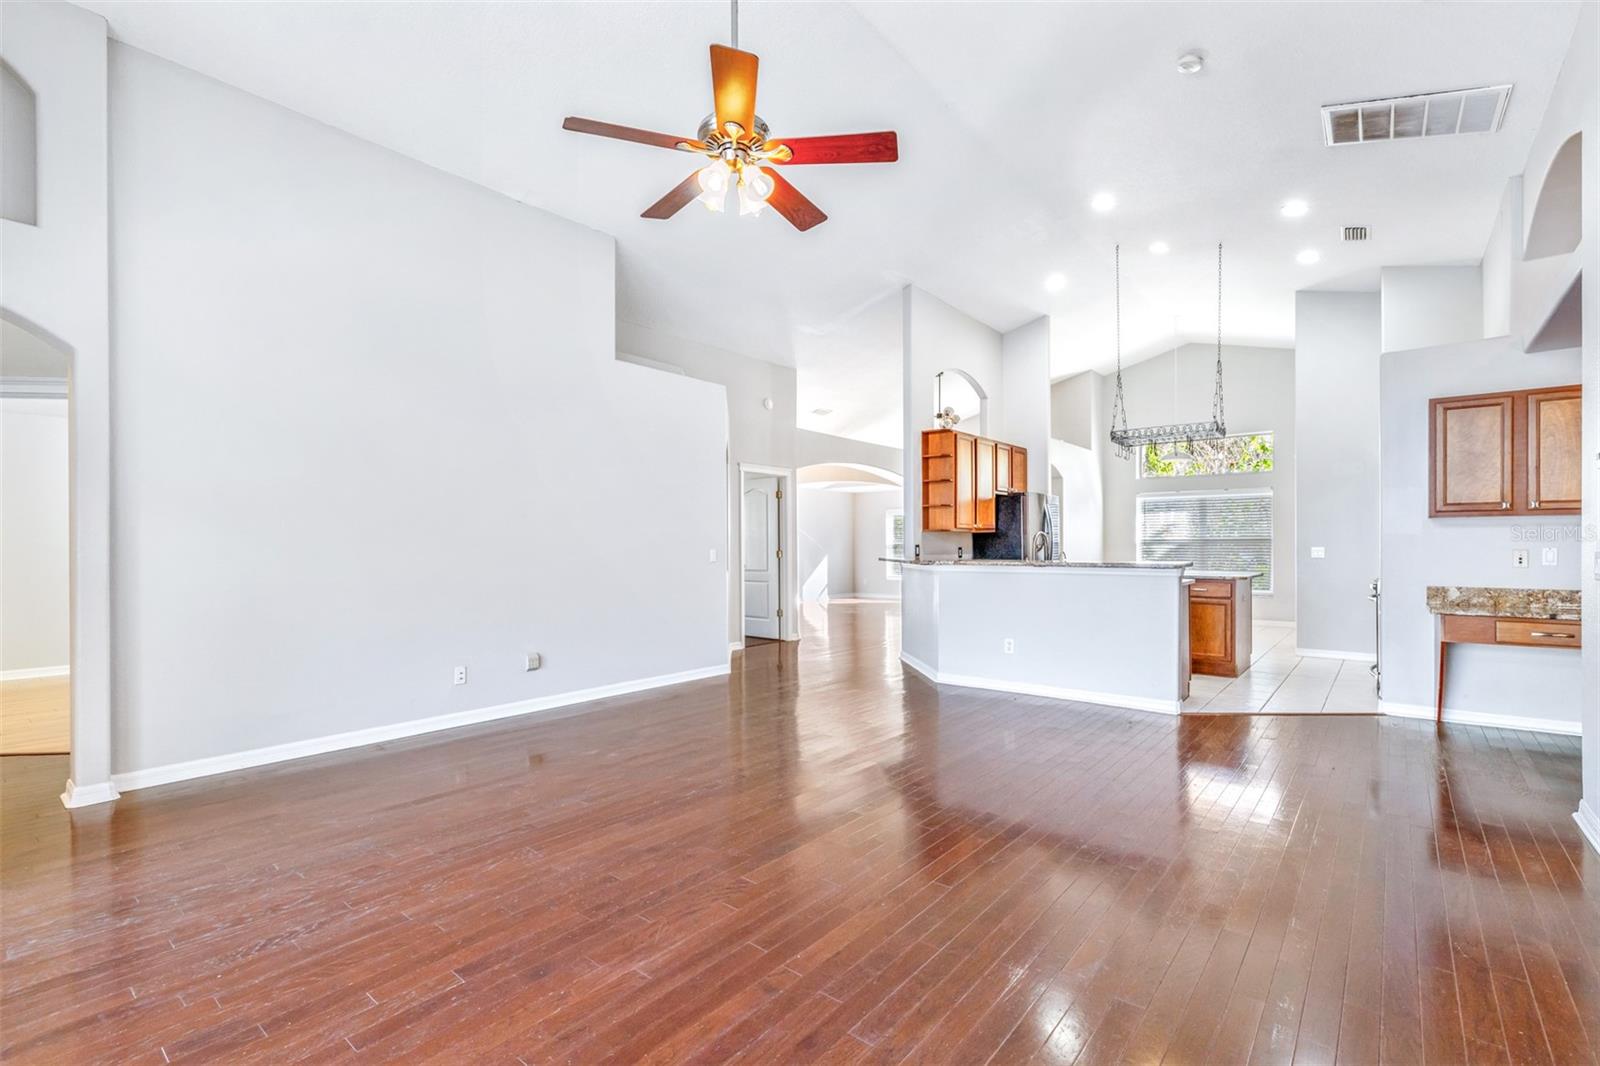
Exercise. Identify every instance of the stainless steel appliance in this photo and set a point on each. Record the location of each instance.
(1027, 526)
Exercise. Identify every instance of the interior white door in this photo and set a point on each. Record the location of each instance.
(761, 560)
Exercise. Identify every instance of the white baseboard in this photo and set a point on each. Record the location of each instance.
(300, 749)
(1484, 718)
(37, 671)
(1108, 699)
(1588, 822)
(735, 645)
(1323, 653)
(88, 795)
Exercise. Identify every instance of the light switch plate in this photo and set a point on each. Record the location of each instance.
(1319, 552)
(1519, 558)
(1548, 557)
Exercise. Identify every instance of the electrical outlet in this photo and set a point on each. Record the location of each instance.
(1548, 557)
(533, 661)
(1010, 646)
(460, 677)
(1519, 558)
(1319, 552)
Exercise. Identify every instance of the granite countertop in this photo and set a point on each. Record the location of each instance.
(1225, 575)
(1024, 562)
(1505, 603)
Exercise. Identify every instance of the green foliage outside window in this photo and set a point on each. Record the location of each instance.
(1249, 453)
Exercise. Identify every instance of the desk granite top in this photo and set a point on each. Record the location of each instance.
(1504, 603)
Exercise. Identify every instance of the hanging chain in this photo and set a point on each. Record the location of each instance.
(1119, 411)
(1216, 402)
(735, 5)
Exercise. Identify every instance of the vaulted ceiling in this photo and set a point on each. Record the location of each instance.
(1011, 117)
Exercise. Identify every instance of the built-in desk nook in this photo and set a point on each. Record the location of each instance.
(1540, 618)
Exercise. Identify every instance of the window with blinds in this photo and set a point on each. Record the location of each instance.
(1222, 531)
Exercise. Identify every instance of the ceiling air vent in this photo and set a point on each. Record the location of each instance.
(1355, 233)
(1427, 115)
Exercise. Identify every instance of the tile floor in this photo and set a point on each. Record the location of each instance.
(1281, 682)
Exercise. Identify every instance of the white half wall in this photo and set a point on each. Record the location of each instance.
(1542, 684)
(370, 426)
(1336, 428)
(35, 586)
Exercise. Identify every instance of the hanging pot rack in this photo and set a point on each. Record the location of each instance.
(1128, 441)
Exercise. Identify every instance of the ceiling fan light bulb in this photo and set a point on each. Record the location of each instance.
(714, 178)
(749, 202)
(713, 200)
(758, 181)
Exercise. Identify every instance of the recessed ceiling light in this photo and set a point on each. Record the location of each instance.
(1307, 256)
(1103, 202)
(822, 410)
(1159, 248)
(1190, 63)
(1294, 209)
(1055, 282)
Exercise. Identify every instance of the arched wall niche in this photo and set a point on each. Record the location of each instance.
(966, 395)
(1557, 223)
(19, 148)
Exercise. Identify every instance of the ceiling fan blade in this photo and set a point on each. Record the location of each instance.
(733, 87)
(628, 133)
(792, 204)
(881, 147)
(676, 200)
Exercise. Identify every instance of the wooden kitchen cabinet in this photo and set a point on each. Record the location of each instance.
(1219, 626)
(1506, 453)
(961, 476)
(1555, 450)
(985, 486)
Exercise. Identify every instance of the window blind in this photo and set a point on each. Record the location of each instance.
(1224, 531)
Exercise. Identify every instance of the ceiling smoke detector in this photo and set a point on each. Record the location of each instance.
(1355, 233)
(1396, 118)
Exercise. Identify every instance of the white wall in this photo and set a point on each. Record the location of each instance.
(34, 580)
(938, 337)
(1426, 306)
(755, 434)
(1499, 256)
(1418, 551)
(1082, 502)
(1259, 389)
(827, 544)
(812, 448)
(871, 510)
(1336, 425)
(54, 279)
(1025, 376)
(369, 426)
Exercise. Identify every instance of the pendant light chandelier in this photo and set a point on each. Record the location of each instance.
(1128, 441)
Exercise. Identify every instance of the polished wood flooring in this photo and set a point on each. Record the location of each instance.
(821, 859)
(35, 716)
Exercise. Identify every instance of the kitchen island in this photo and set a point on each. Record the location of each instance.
(1108, 633)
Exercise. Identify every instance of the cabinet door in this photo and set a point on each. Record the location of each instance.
(966, 481)
(1019, 469)
(1555, 450)
(1210, 634)
(1471, 451)
(985, 484)
(1002, 468)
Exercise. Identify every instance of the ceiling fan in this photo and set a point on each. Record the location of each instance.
(742, 151)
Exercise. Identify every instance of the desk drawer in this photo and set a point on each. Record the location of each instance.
(1545, 634)
(1211, 590)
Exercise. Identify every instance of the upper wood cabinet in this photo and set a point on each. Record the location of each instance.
(1506, 453)
(962, 475)
(1555, 450)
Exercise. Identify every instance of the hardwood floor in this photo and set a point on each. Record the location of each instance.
(35, 716)
(821, 859)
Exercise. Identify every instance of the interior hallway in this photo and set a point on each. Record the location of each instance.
(821, 858)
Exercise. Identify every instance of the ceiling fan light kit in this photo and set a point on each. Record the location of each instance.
(741, 149)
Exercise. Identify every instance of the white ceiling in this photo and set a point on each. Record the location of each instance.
(1010, 115)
